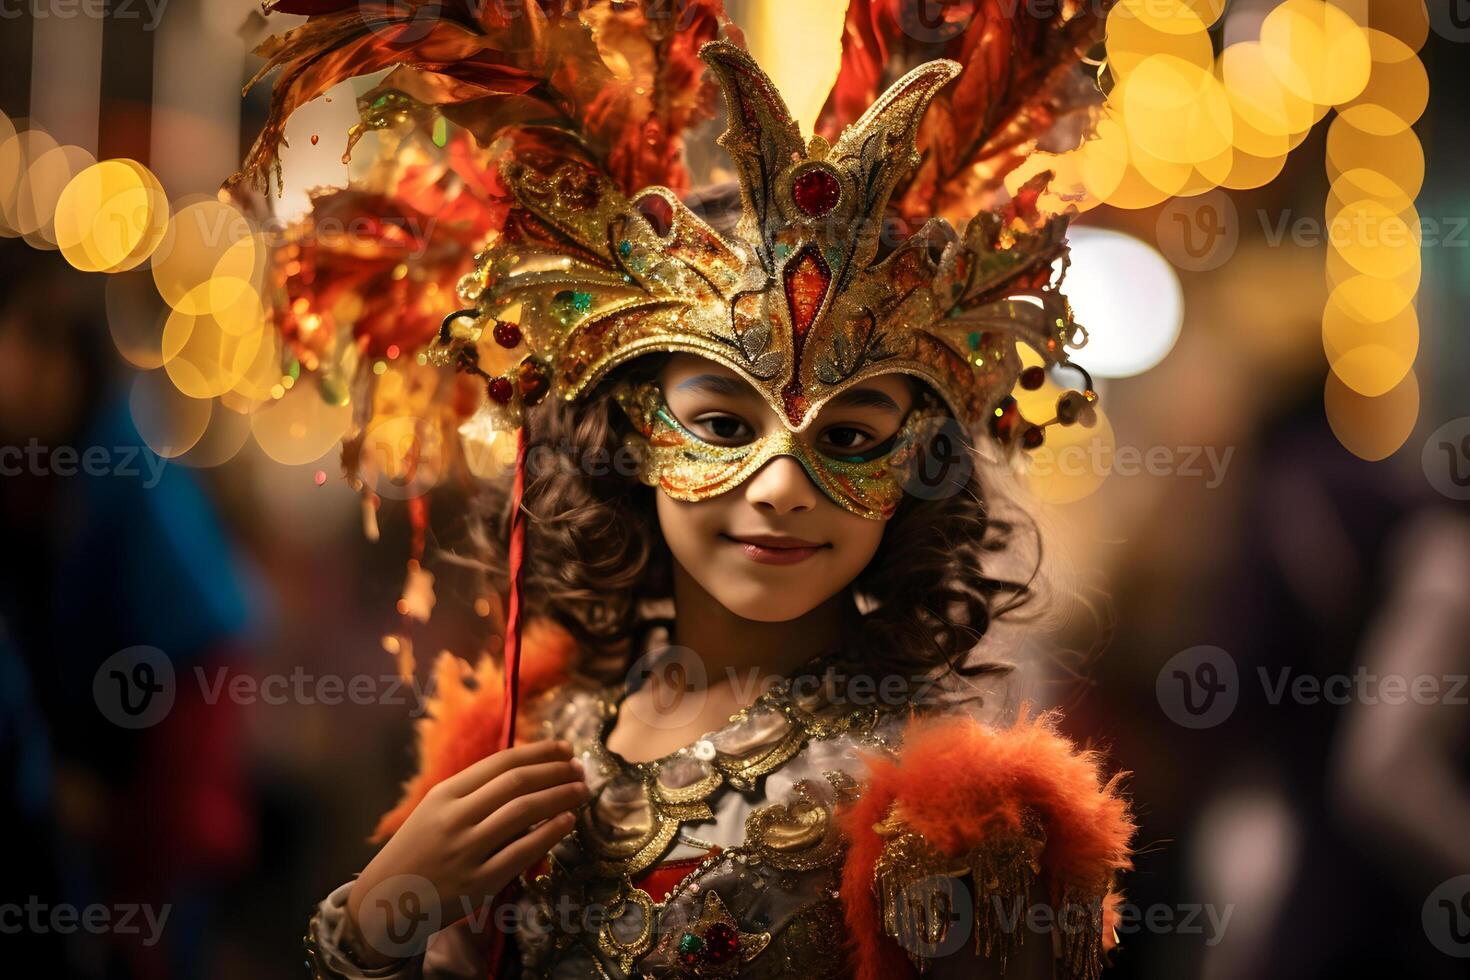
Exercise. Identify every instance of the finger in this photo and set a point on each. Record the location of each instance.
(519, 782)
(478, 773)
(519, 855)
(524, 812)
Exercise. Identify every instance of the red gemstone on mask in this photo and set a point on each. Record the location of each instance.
(659, 212)
(807, 280)
(721, 943)
(816, 192)
(501, 390)
(507, 334)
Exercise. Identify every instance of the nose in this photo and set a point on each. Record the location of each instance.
(781, 486)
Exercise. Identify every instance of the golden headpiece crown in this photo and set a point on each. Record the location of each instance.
(817, 290)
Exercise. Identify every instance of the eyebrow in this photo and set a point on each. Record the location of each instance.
(715, 384)
(865, 398)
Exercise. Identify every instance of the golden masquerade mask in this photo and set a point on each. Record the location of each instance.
(799, 302)
(690, 468)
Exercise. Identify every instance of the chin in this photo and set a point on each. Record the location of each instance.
(764, 603)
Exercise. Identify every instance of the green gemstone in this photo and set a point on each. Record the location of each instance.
(782, 250)
(441, 131)
(625, 247)
(690, 943)
(569, 306)
(974, 340)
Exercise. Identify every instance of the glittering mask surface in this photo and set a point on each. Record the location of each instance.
(690, 468)
(801, 301)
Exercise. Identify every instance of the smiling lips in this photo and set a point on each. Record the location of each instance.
(776, 549)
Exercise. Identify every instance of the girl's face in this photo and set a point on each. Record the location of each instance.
(775, 546)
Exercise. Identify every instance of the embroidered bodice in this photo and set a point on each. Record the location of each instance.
(744, 818)
(804, 837)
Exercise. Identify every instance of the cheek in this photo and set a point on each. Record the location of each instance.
(690, 529)
(856, 541)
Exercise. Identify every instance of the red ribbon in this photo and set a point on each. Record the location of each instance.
(516, 557)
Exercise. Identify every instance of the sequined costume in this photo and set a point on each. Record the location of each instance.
(803, 838)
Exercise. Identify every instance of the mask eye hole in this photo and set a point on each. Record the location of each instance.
(722, 429)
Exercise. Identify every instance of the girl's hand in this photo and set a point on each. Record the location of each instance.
(469, 837)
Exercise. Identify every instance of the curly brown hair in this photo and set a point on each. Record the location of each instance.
(596, 558)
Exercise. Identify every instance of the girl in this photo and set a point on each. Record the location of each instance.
(749, 526)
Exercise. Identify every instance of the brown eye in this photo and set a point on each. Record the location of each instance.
(725, 429)
(845, 438)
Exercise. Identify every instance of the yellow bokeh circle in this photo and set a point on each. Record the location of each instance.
(200, 235)
(111, 217)
(169, 421)
(1372, 428)
(1369, 357)
(1316, 51)
(202, 358)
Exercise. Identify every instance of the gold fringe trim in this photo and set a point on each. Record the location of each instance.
(1003, 870)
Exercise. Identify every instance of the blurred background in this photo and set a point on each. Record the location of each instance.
(1265, 540)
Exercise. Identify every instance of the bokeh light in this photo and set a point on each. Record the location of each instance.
(169, 421)
(1110, 274)
(1372, 428)
(111, 216)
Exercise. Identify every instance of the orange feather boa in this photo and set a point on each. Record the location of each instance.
(957, 783)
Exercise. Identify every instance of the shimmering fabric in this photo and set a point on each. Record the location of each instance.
(689, 468)
(757, 798)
